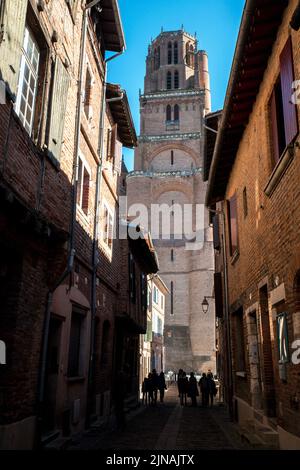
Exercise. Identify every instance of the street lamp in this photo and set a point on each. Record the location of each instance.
(205, 305)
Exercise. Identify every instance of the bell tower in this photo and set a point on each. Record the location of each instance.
(168, 171)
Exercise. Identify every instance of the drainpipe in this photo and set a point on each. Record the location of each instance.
(227, 322)
(71, 247)
(95, 256)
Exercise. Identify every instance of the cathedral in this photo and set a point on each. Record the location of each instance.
(168, 171)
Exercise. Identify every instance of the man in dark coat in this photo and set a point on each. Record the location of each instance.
(193, 389)
(203, 384)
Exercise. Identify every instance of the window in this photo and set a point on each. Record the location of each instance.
(170, 53)
(112, 135)
(28, 81)
(176, 79)
(108, 226)
(169, 113)
(172, 255)
(172, 157)
(176, 112)
(88, 93)
(169, 81)
(172, 297)
(233, 228)
(175, 53)
(75, 344)
(283, 112)
(83, 186)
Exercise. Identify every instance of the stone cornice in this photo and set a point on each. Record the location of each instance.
(163, 174)
(167, 137)
(164, 95)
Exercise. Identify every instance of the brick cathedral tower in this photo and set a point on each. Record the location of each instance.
(168, 170)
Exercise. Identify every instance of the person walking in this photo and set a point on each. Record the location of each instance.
(193, 389)
(154, 386)
(145, 391)
(203, 384)
(162, 386)
(182, 387)
(212, 389)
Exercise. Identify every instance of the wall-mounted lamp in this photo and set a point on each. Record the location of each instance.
(205, 304)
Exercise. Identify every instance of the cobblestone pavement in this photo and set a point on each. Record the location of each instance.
(169, 426)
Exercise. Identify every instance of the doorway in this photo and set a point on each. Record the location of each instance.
(255, 361)
(269, 396)
(52, 372)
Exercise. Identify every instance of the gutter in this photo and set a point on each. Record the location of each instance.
(242, 37)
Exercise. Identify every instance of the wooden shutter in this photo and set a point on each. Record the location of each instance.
(108, 143)
(85, 191)
(14, 19)
(232, 212)
(114, 135)
(287, 78)
(60, 86)
(274, 126)
(218, 294)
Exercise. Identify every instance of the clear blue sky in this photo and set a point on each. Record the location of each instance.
(216, 23)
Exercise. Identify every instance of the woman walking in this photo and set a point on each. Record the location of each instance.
(193, 389)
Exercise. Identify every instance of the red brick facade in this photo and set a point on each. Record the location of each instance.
(263, 272)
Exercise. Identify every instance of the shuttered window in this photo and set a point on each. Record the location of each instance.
(287, 79)
(218, 294)
(108, 226)
(83, 186)
(233, 227)
(57, 114)
(14, 18)
(28, 81)
(283, 112)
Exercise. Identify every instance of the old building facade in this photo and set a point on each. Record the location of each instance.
(62, 291)
(254, 174)
(168, 166)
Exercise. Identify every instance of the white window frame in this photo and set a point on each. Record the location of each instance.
(105, 233)
(27, 61)
(86, 167)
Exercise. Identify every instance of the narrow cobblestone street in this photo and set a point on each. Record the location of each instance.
(168, 426)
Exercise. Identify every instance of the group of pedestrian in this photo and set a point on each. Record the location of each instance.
(189, 388)
(152, 384)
